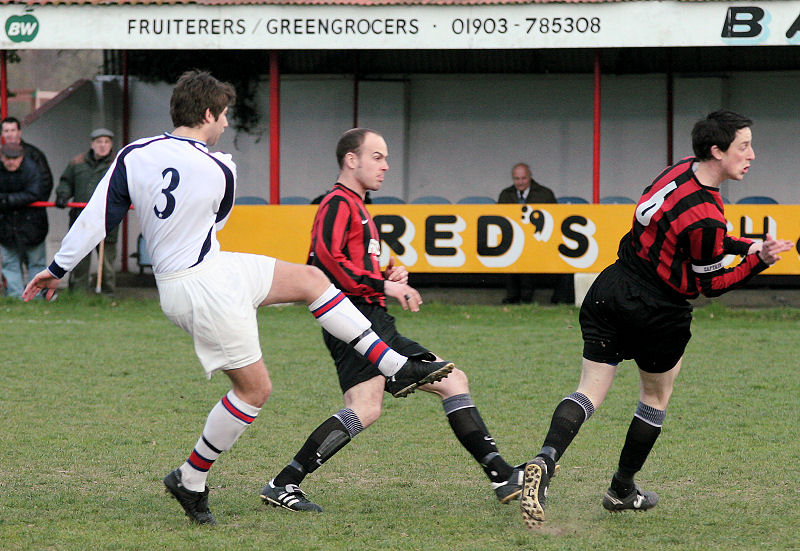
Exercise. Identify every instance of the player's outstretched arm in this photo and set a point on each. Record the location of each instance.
(42, 280)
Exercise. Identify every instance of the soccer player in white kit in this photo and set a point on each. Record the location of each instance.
(182, 195)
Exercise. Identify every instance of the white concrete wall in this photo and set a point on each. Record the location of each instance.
(459, 135)
(467, 131)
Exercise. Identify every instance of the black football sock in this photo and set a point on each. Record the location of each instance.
(327, 439)
(569, 415)
(642, 435)
(469, 428)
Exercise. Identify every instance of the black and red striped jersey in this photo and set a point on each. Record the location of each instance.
(680, 238)
(345, 244)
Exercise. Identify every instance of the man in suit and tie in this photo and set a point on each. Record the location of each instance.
(519, 287)
(525, 189)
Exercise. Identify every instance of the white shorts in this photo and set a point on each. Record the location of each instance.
(216, 303)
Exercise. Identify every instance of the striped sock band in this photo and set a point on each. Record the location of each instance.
(459, 401)
(582, 400)
(227, 421)
(329, 300)
(242, 411)
(203, 455)
(350, 420)
(370, 345)
(650, 415)
(378, 353)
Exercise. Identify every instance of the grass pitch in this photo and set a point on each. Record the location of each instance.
(101, 399)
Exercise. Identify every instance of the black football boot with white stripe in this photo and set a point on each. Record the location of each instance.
(289, 497)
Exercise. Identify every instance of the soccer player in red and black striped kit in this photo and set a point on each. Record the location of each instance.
(637, 308)
(345, 245)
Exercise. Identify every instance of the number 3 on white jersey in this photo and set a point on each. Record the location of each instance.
(171, 175)
(646, 210)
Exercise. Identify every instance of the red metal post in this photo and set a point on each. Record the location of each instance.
(274, 130)
(596, 143)
(3, 85)
(126, 115)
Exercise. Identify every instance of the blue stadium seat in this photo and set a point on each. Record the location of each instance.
(295, 200)
(572, 199)
(251, 200)
(430, 200)
(141, 255)
(757, 200)
(476, 200)
(387, 200)
(617, 200)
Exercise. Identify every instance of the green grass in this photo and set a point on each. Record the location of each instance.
(100, 399)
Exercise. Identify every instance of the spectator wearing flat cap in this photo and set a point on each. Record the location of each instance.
(11, 132)
(22, 228)
(78, 182)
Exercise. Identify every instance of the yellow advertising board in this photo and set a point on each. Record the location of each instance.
(544, 238)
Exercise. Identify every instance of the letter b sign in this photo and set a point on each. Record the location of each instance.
(743, 22)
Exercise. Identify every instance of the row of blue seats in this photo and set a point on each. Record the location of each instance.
(621, 200)
(481, 200)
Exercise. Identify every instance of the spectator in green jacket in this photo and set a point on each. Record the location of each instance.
(78, 182)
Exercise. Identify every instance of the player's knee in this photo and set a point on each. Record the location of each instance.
(458, 379)
(455, 383)
(658, 399)
(316, 277)
(369, 413)
(258, 395)
(315, 282)
(266, 392)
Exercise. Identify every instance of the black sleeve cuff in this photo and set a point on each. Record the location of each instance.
(57, 270)
(739, 248)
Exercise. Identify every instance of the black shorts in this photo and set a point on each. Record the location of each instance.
(623, 319)
(353, 368)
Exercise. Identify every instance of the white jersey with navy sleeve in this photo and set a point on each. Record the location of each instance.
(181, 193)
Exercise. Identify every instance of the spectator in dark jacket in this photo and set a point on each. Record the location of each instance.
(78, 182)
(22, 228)
(11, 132)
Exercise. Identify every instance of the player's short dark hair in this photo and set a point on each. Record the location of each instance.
(351, 141)
(11, 120)
(718, 128)
(195, 92)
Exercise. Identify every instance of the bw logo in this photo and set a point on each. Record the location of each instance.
(22, 28)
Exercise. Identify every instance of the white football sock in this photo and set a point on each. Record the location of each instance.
(227, 421)
(339, 317)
